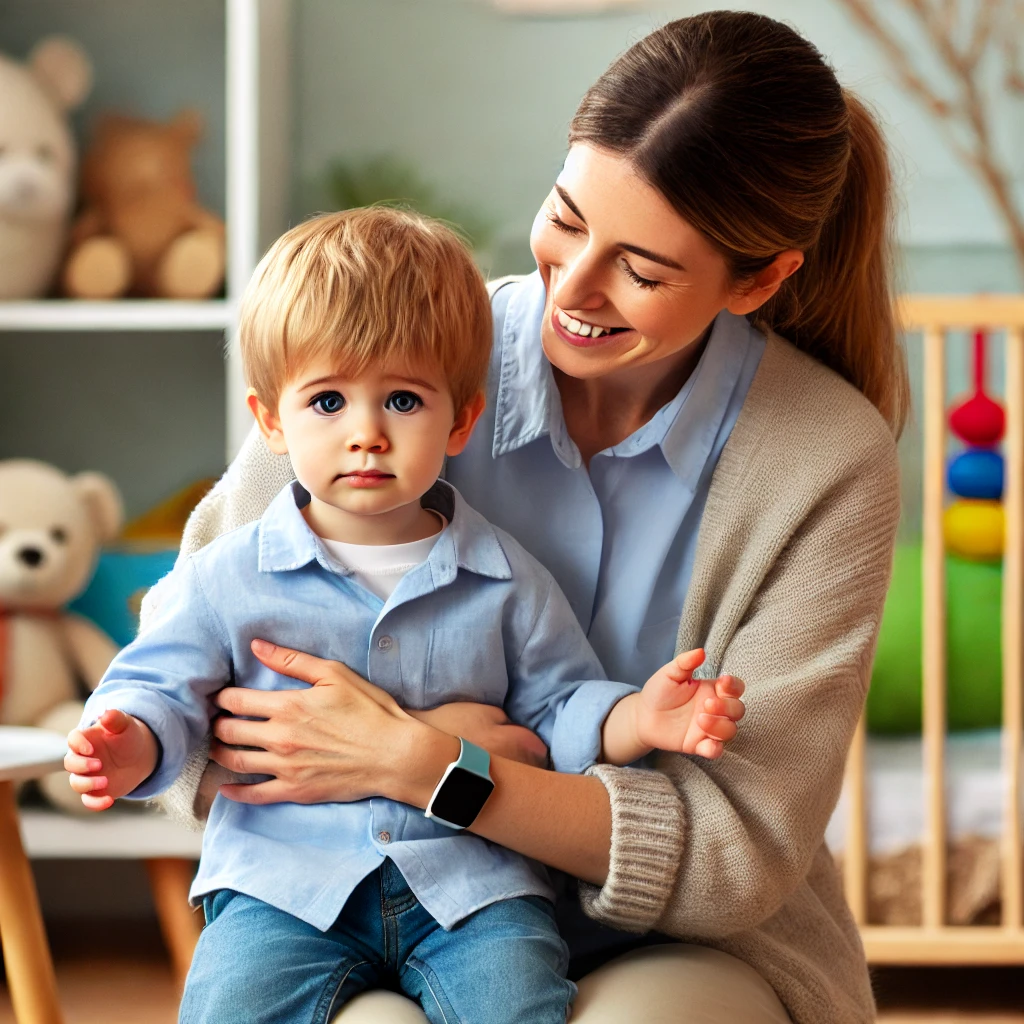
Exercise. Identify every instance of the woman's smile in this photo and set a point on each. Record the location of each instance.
(580, 332)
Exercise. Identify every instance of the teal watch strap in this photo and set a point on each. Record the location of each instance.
(474, 759)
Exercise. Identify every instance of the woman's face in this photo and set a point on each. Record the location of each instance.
(629, 282)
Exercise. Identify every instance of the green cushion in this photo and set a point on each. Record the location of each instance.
(974, 647)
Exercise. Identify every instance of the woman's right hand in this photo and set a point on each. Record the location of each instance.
(340, 739)
(488, 727)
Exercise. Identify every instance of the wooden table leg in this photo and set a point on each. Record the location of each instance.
(170, 879)
(30, 976)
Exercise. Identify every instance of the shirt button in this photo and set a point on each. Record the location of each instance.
(385, 643)
(384, 837)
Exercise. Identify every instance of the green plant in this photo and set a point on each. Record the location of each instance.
(392, 181)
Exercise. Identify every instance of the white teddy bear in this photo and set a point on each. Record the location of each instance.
(51, 529)
(37, 162)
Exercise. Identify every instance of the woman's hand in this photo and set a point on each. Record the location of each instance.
(342, 739)
(488, 727)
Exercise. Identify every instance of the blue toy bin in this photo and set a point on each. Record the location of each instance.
(122, 576)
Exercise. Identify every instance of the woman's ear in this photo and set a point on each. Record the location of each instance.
(268, 422)
(751, 295)
(465, 421)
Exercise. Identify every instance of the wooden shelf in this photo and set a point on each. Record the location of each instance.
(126, 835)
(122, 315)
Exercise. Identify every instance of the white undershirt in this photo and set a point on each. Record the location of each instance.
(379, 567)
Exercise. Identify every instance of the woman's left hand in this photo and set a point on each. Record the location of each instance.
(341, 739)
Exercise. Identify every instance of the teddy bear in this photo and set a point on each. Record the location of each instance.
(52, 526)
(141, 231)
(37, 162)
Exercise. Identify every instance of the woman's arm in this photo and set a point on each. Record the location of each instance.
(802, 635)
(345, 739)
(489, 727)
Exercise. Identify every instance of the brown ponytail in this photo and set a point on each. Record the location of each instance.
(739, 122)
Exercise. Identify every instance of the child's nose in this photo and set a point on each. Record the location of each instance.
(367, 436)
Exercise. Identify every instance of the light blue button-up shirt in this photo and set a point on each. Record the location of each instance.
(621, 538)
(479, 620)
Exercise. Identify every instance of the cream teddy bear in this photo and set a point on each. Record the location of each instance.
(37, 163)
(51, 529)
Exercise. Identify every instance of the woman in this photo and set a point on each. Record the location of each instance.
(691, 479)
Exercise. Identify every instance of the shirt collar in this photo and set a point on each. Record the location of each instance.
(528, 405)
(468, 542)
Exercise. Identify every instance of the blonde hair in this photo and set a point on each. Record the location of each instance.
(366, 286)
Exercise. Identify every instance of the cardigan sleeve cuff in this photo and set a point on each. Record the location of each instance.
(648, 832)
(181, 802)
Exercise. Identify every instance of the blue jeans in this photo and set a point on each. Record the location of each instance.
(505, 964)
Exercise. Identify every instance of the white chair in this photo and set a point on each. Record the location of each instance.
(25, 754)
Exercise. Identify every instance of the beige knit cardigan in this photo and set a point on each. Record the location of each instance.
(792, 565)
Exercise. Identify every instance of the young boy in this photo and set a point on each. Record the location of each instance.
(365, 340)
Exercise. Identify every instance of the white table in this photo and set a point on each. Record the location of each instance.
(25, 754)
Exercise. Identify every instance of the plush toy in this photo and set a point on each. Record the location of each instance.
(37, 163)
(141, 231)
(51, 528)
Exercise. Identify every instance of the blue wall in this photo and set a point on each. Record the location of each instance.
(481, 101)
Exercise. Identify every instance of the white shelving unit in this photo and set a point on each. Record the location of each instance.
(124, 315)
(257, 95)
(256, 83)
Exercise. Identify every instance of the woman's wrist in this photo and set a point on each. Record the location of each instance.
(420, 757)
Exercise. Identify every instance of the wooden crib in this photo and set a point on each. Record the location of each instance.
(935, 941)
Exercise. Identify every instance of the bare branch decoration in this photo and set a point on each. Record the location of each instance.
(965, 38)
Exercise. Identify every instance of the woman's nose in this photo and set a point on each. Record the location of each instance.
(577, 284)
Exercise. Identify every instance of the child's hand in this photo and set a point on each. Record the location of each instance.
(110, 758)
(678, 713)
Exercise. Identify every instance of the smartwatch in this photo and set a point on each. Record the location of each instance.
(464, 788)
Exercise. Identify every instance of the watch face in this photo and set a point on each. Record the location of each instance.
(461, 797)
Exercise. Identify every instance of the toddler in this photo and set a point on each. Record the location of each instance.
(365, 337)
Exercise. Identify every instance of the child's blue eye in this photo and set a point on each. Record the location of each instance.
(403, 401)
(330, 402)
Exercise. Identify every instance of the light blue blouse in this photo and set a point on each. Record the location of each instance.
(620, 539)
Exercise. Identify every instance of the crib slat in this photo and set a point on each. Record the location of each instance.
(934, 627)
(960, 312)
(855, 852)
(1013, 623)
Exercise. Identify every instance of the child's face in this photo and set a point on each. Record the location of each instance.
(368, 445)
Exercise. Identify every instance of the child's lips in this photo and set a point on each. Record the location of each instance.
(367, 478)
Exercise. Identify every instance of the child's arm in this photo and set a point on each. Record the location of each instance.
(558, 689)
(110, 758)
(153, 705)
(669, 713)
